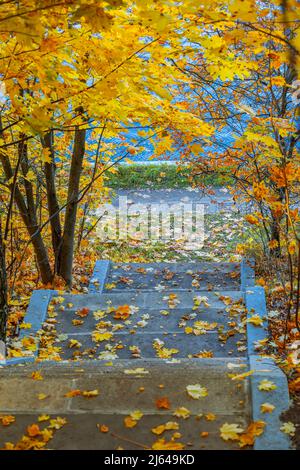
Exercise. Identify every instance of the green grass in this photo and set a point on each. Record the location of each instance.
(161, 176)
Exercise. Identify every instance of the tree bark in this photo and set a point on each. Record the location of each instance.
(27, 209)
(67, 248)
(275, 235)
(53, 205)
(3, 290)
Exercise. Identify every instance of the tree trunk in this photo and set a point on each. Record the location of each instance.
(67, 249)
(27, 211)
(275, 235)
(53, 206)
(3, 291)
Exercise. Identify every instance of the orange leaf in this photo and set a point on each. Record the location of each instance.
(33, 430)
(162, 444)
(163, 403)
(129, 422)
(7, 420)
(103, 428)
(122, 312)
(83, 312)
(73, 393)
(36, 375)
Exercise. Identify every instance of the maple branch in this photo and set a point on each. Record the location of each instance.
(28, 12)
(272, 35)
(59, 100)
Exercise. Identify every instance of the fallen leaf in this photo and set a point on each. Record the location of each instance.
(42, 396)
(162, 444)
(170, 425)
(196, 391)
(83, 312)
(182, 413)
(288, 428)
(267, 408)
(103, 428)
(137, 371)
(255, 320)
(210, 417)
(230, 432)
(33, 430)
(43, 418)
(241, 376)
(6, 420)
(90, 393)
(163, 403)
(73, 393)
(97, 336)
(136, 415)
(129, 422)
(266, 385)
(74, 343)
(36, 375)
(122, 312)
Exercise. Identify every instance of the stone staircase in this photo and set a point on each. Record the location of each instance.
(143, 335)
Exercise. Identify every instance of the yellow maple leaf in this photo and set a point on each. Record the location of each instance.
(73, 343)
(129, 422)
(90, 393)
(240, 376)
(188, 330)
(288, 428)
(37, 375)
(136, 415)
(57, 423)
(42, 396)
(43, 418)
(162, 444)
(255, 320)
(182, 412)
(170, 425)
(266, 385)
(166, 353)
(97, 336)
(267, 408)
(230, 432)
(196, 391)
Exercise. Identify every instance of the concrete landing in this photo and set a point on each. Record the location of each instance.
(157, 390)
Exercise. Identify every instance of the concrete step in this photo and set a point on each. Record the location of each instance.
(158, 379)
(152, 329)
(81, 432)
(160, 320)
(190, 276)
(196, 267)
(180, 281)
(150, 300)
(126, 346)
(145, 382)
